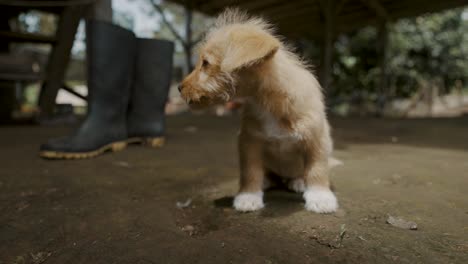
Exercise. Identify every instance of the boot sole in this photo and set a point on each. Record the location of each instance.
(113, 147)
(154, 142)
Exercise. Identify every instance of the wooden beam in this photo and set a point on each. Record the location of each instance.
(343, 23)
(354, 8)
(213, 7)
(213, 4)
(377, 7)
(288, 10)
(259, 6)
(352, 14)
(301, 16)
(339, 6)
(25, 37)
(297, 22)
(59, 58)
(400, 9)
(404, 9)
(413, 7)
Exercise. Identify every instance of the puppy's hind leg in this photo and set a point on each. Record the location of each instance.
(267, 183)
(250, 196)
(318, 196)
(297, 185)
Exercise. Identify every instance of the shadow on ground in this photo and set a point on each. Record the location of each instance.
(121, 208)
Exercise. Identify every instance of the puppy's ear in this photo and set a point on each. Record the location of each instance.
(246, 47)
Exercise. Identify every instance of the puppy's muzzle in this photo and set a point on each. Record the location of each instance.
(180, 87)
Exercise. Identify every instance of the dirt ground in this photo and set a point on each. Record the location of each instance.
(121, 208)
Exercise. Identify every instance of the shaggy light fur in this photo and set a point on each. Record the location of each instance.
(284, 126)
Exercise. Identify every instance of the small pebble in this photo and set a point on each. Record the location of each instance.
(401, 223)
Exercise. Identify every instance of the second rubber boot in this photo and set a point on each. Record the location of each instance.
(111, 55)
(153, 74)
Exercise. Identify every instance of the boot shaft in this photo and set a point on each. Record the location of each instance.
(152, 80)
(111, 52)
(153, 73)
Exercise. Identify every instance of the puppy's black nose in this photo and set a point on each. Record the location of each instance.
(179, 88)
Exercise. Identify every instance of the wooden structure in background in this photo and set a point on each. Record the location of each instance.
(69, 13)
(307, 17)
(325, 19)
(315, 19)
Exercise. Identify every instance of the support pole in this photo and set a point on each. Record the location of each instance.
(100, 10)
(59, 58)
(382, 51)
(188, 44)
(328, 8)
(382, 43)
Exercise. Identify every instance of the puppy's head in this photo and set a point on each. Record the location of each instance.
(236, 42)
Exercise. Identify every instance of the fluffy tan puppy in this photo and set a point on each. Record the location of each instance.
(284, 127)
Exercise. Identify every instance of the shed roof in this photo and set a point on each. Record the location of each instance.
(305, 17)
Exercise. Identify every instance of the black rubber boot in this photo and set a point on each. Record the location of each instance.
(111, 56)
(153, 74)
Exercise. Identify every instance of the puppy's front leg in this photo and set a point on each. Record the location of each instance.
(250, 196)
(318, 196)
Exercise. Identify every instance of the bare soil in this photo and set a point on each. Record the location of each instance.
(121, 207)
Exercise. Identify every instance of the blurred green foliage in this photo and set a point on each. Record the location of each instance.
(431, 47)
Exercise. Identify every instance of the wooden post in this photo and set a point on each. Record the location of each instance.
(430, 97)
(100, 10)
(382, 41)
(59, 57)
(459, 91)
(4, 26)
(382, 46)
(188, 44)
(7, 98)
(328, 8)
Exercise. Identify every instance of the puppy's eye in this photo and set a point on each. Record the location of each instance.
(205, 63)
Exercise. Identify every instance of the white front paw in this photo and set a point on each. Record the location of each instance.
(320, 200)
(247, 202)
(297, 185)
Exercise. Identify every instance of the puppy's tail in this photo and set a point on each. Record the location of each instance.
(334, 162)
